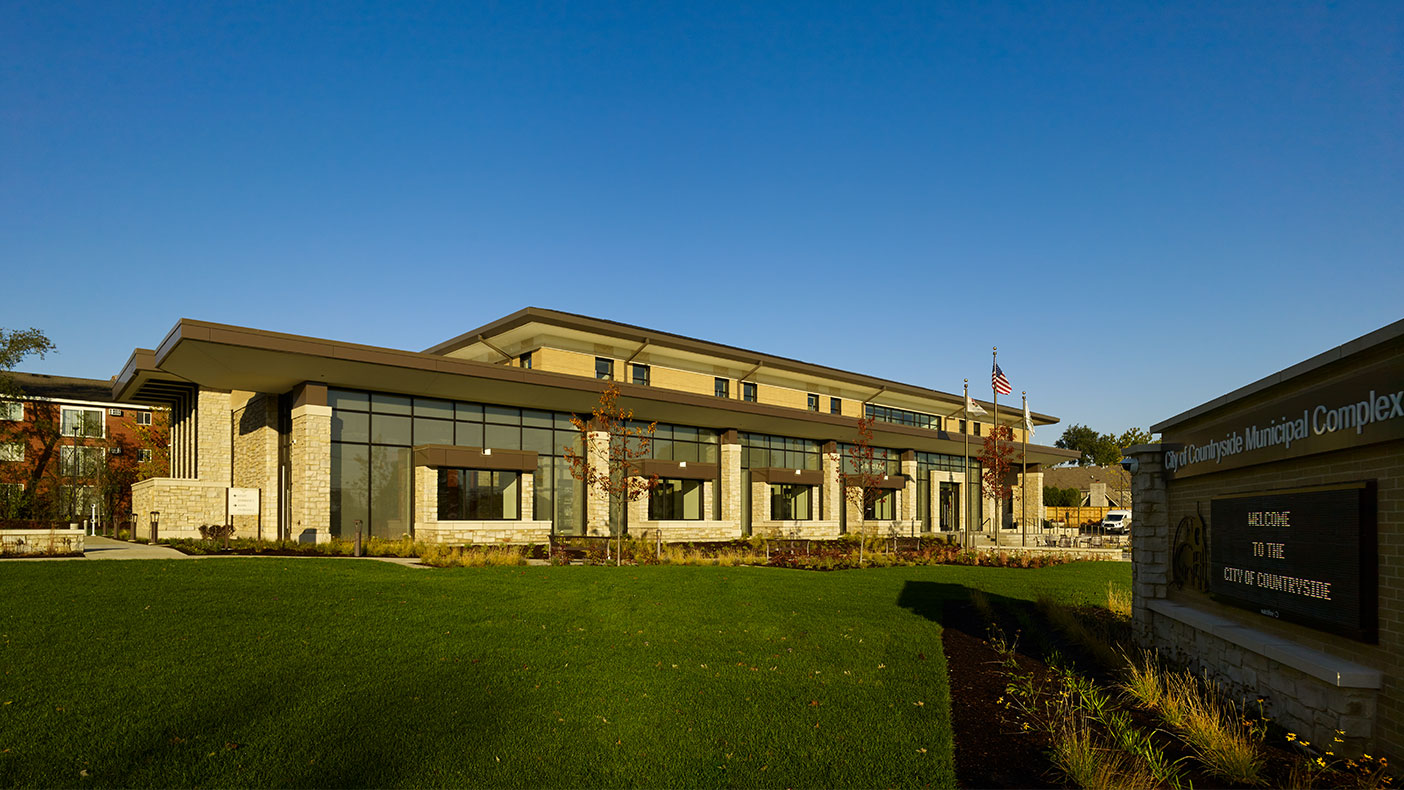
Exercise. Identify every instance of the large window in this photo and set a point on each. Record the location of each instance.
(902, 417)
(75, 421)
(11, 410)
(678, 443)
(884, 508)
(372, 434)
(790, 502)
(604, 368)
(779, 452)
(479, 495)
(81, 461)
(675, 500)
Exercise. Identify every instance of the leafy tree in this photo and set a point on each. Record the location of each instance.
(15, 345)
(612, 435)
(996, 458)
(1095, 449)
(1134, 436)
(859, 477)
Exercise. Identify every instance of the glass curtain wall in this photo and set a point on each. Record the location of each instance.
(681, 443)
(763, 451)
(929, 462)
(372, 434)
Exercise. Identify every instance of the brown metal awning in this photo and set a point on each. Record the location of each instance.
(804, 477)
(448, 456)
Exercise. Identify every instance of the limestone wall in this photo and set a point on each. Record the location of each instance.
(310, 469)
(255, 424)
(184, 505)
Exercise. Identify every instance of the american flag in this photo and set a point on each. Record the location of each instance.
(999, 382)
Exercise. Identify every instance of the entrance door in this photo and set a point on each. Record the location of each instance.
(950, 509)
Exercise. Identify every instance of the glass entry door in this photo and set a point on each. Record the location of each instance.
(950, 507)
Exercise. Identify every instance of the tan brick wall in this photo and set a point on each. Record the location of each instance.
(571, 363)
(679, 531)
(310, 472)
(1034, 486)
(255, 423)
(682, 380)
(462, 533)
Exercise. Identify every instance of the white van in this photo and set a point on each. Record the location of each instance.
(1117, 522)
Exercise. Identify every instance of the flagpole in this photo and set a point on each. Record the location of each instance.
(993, 364)
(965, 473)
(1024, 482)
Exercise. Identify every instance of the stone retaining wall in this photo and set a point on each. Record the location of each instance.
(41, 541)
(462, 533)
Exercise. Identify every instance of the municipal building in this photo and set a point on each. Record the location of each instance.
(464, 442)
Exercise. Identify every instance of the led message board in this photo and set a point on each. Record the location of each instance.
(1305, 555)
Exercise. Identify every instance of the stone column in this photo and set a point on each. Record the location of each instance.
(908, 511)
(730, 477)
(426, 496)
(832, 490)
(1030, 486)
(310, 471)
(215, 431)
(1150, 535)
(596, 501)
(528, 496)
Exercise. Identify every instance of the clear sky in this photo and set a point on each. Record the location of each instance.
(1143, 205)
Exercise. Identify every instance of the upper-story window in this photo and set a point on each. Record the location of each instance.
(977, 429)
(748, 392)
(641, 375)
(11, 451)
(76, 421)
(835, 406)
(604, 368)
(143, 418)
(902, 417)
(11, 410)
(524, 360)
(813, 403)
(723, 388)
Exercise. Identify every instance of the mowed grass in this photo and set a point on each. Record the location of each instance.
(308, 672)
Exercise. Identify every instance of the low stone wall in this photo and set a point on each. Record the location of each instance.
(462, 533)
(38, 542)
(184, 506)
(1307, 691)
(796, 530)
(686, 531)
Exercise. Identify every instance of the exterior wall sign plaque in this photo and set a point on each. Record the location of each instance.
(1364, 408)
(1306, 555)
(243, 501)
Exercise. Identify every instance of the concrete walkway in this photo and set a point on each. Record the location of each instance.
(96, 547)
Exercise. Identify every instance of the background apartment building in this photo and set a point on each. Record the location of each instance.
(69, 452)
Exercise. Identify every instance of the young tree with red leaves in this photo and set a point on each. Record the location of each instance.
(868, 467)
(608, 433)
(996, 459)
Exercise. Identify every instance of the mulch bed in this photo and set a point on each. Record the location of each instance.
(992, 748)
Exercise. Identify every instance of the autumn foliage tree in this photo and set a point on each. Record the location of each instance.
(860, 475)
(621, 443)
(996, 459)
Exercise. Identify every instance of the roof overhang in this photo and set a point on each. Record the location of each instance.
(223, 357)
(521, 324)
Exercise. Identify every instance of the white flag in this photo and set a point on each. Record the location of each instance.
(1028, 421)
(971, 407)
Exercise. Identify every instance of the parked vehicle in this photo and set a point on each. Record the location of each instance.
(1117, 522)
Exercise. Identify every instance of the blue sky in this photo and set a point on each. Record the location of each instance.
(1143, 205)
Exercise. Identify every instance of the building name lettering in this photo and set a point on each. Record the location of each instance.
(1292, 585)
(1283, 431)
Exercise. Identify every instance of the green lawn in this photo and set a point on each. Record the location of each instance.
(269, 671)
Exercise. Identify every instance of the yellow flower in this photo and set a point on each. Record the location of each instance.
(1291, 736)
